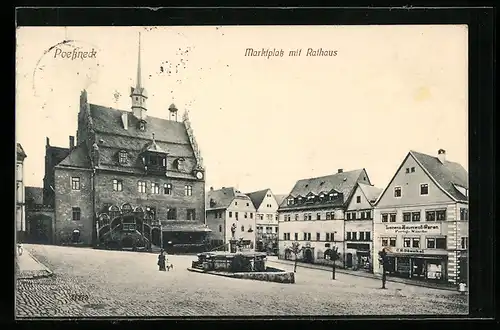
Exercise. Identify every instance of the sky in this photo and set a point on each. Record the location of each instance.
(260, 122)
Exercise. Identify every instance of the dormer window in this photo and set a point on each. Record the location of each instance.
(142, 125)
(179, 164)
(123, 157)
(290, 201)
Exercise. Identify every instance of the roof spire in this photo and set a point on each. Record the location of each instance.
(139, 83)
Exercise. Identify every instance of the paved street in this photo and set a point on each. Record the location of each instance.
(89, 283)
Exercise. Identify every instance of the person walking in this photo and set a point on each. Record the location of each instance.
(383, 261)
(161, 261)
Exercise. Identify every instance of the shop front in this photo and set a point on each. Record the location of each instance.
(358, 256)
(418, 264)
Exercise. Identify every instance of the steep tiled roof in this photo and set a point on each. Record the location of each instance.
(170, 137)
(20, 151)
(371, 192)
(33, 195)
(223, 198)
(78, 157)
(280, 198)
(446, 175)
(108, 120)
(343, 182)
(257, 197)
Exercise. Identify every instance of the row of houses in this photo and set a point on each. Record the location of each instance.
(420, 218)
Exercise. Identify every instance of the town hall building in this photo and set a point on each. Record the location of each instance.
(131, 181)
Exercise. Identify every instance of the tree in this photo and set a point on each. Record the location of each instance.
(296, 249)
(334, 255)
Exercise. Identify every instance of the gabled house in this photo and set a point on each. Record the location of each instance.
(230, 214)
(421, 218)
(313, 214)
(266, 220)
(359, 226)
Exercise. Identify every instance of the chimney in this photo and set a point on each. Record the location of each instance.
(71, 142)
(442, 155)
(340, 170)
(47, 142)
(125, 120)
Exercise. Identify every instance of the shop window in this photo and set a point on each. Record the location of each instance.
(415, 216)
(407, 217)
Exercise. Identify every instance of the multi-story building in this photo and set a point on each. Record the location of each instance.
(20, 200)
(266, 220)
(313, 214)
(131, 181)
(229, 211)
(359, 226)
(422, 219)
(39, 217)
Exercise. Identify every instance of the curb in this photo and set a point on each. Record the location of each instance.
(45, 272)
(368, 276)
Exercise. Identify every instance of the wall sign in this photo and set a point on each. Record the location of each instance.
(414, 229)
(407, 250)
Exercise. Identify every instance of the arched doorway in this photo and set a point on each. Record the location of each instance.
(308, 256)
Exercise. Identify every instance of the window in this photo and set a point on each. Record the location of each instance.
(191, 214)
(354, 236)
(441, 243)
(407, 170)
(220, 228)
(397, 191)
(296, 217)
(309, 217)
(167, 189)
(327, 238)
(171, 214)
(354, 215)
(117, 185)
(270, 217)
(141, 186)
(288, 236)
(235, 203)
(122, 157)
(318, 216)
(389, 241)
(358, 199)
(245, 215)
(76, 214)
(367, 236)
(431, 243)
(415, 243)
(361, 235)
(328, 215)
(412, 169)
(392, 217)
(384, 217)
(242, 228)
(406, 216)
(424, 189)
(284, 236)
(464, 243)
(296, 236)
(430, 216)
(348, 216)
(152, 211)
(305, 236)
(415, 216)
(348, 236)
(155, 188)
(464, 214)
(318, 236)
(308, 236)
(230, 214)
(248, 204)
(251, 216)
(188, 190)
(75, 183)
(407, 242)
(441, 215)
(236, 215)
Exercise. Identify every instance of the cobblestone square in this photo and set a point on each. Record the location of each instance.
(93, 283)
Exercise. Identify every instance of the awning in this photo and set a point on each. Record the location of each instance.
(184, 226)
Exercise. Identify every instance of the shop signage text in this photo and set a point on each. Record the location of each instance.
(408, 250)
(414, 228)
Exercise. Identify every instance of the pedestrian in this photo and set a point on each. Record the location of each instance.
(161, 261)
(383, 261)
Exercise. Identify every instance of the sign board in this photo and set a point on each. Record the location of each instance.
(434, 229)
(407, 250)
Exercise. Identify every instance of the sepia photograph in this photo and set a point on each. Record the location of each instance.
(208, 171)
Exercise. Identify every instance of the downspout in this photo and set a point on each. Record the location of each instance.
(94, 212)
